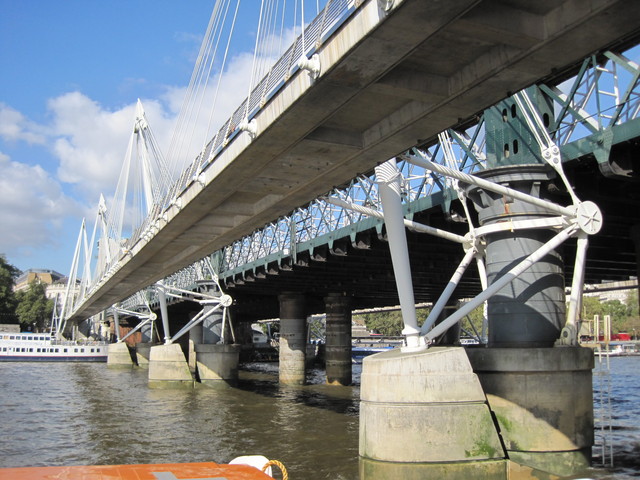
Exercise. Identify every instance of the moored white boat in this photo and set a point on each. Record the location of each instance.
(42, 347)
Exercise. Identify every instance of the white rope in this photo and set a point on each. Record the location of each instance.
(220, 74)
(255, 55)
(304, 49)
(186, 115)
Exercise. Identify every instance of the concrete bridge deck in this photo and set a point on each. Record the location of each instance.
(389, 80)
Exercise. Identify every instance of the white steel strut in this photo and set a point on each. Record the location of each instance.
(578, 220)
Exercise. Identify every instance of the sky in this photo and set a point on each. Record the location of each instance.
(71, 72)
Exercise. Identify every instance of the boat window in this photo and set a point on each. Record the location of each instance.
(92, 350)
(65, 350)
(82, 350)
(75, 350)
(31, 350)
(12, 337)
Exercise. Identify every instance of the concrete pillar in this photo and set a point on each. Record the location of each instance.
(168, 367)
(143, 351)
(119, 356)
(195, 338)
(146, 332)
(424, 415)
(543, 402)
(338, 346)
(293, 338)
(215, 360)
(530, 311)
(212, 327)
(451, 336)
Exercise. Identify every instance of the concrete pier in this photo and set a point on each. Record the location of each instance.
(529, 311)
(143, 352)
(168, 367)
(338, 334)
(217, 362)
(543, 402)
(293, 338)
(119, 356)
(195, 338)
(425, 415)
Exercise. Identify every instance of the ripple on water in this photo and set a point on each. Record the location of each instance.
(70, 414)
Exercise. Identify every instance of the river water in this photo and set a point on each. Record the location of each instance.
(74, 414)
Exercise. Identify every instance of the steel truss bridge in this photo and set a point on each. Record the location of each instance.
(320, 247)
(323, 247)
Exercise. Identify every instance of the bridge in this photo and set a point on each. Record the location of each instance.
(469, 56)
(436, 88)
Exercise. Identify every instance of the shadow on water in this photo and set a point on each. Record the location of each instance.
(262, 379)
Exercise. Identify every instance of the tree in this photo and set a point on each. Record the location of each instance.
(8, 274)
(624, 316)
(34, 308)
(389, 324)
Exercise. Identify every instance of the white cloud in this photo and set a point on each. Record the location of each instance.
(15, 127)
(32, 207)
(205, 114)
(89, 143)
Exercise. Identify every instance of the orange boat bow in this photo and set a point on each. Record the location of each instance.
(168, 471)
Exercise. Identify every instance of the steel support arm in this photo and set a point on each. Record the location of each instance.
(411, 225)
(199, 318)
(448, 291)
(487, 185)
(390, 195)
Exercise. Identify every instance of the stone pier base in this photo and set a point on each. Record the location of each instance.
(119, 356)
(424, 415)
(338, 334)
(217, 362)
(168, 367)
(542, 399)
(143, 352)
(293, 339)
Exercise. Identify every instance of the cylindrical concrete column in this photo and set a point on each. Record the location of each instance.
(293, 338)
(146, 332)
(143, 348)
(338, 346)
(451, 336)
(529, 311)
(212, 327)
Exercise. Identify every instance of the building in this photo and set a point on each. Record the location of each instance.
(607, 291)
(48, 277)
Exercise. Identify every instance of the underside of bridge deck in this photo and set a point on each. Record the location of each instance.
(363, 270)
(388, 81)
